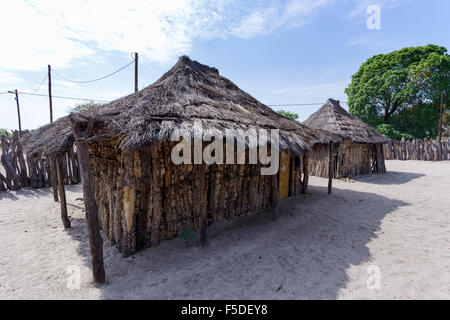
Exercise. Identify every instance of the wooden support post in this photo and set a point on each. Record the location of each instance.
(136, 59)
(54, 179)
(275, 196)
(62, 194)
(81, 129)
(330, 168)
(203, 205)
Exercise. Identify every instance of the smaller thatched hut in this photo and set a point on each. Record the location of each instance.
(50, 151)
(361, 152)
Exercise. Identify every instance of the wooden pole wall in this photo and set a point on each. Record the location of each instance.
(275, 196)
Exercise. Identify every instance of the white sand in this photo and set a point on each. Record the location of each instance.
(320, 247)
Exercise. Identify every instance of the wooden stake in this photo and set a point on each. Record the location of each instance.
(441, 114)
(50, 92)
(62, 194)
(81, 129)
(136, 58)
(330, 168)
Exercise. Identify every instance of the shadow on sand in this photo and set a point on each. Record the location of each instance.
(303, 255)
(35, 193)
(390, 177)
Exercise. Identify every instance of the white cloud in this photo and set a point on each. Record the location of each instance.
(9, 78)
(295, 13)
(65, 83)
(36, 33)
(362, 5)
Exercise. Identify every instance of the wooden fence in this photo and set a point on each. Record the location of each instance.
(17, 171)
(427, 150)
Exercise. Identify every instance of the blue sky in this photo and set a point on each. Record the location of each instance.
(281, 52)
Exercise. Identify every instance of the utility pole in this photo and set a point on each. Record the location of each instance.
(53, 162)
(136, 58)
(18, 110)
(442, 112)
(50, 92)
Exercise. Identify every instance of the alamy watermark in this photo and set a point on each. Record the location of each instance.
(254, 142)
(73, 277)
(374, 279)
(374, 20)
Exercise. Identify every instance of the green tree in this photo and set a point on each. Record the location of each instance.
(81, 107)
(4, 132)
(287, 114)
(402, 89)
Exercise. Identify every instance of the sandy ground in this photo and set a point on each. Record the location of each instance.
(322, 247)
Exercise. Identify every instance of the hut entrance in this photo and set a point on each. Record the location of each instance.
(285, 170)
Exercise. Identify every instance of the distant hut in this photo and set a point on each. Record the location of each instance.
(361, 152)
(144, 198)
(51, 158)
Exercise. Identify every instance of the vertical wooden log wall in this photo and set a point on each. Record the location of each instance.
(21, 170)
(417, 149)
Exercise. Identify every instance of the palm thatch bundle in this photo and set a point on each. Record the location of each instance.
(360, 153)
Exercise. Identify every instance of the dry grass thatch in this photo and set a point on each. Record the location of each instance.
(192, 91)
(332, 117)
(50, 140)
(189, 91)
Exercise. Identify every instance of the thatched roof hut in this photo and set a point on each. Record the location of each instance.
(361, 152)
(142, 196)
(332, 117)
(51, 140)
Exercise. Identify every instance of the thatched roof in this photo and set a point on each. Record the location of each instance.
(192, 91)
(332, 117)
(51, 140)
(189, 91)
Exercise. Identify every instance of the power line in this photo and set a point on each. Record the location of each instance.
(40, 84)
(298, 104)
(94, 80)
(61, 97)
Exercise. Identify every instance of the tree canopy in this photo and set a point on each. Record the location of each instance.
(287, 114)
(80, 107)
(401, 90)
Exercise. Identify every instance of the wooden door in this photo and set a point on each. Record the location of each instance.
(285, 172)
